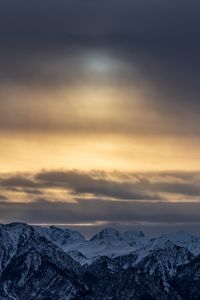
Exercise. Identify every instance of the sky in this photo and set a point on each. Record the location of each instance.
(99, 113)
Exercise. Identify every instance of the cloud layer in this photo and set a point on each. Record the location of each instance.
(97, 197)
(52, 79)
(112, 85)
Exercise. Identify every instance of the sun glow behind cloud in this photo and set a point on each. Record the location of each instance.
(93, 123)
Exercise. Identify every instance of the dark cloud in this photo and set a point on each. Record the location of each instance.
(156, 34)
(17, 181)
(142, 184)
(61, 21)
(82, 183)
(184, 188)
(116, 185)
(176, 188)
(106, 198)
(156, 41)
(3, 198)
(88, 211)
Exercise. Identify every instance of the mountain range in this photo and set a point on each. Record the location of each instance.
(61, 264)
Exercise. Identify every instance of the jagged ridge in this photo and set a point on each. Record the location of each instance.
(55, 263)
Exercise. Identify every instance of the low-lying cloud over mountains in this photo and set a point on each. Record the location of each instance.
(80, 198)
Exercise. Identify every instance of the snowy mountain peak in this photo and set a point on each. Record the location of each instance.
(61, 237)
(182, 235)
(161, 242)
(132, 237)
(107, 234)
(129, 234)
(16, 224)
(15, 232)
(185, 239)
(56, 263)
(74, 236)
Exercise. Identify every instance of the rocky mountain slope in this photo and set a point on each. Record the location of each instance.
(55, 263)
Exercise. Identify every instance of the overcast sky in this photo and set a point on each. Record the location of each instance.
(99, 113)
